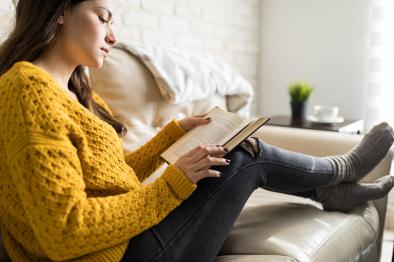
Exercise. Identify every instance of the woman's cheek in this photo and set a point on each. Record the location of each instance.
(93, 27)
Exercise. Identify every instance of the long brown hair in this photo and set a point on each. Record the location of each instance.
(35, 31)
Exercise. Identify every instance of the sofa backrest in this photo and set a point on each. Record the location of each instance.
(130, 90)
(7, 10)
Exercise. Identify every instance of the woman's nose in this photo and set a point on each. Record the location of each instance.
(110, 38)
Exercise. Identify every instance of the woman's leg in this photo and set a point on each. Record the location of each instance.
(196, 230)
(290, 172)
(334, 190)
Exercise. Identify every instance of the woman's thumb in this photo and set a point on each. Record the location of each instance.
(203, 120)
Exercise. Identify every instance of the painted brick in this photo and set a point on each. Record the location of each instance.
(160, 7)
(227, 29)
(173, 25)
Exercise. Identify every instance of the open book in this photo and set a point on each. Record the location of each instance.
(226, 129)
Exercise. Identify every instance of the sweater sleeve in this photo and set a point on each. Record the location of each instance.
(66, 222)
(146, 159)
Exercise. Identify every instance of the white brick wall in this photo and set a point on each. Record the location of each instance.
(227, 29)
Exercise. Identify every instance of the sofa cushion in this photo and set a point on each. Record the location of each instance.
(129, 89)
(6, 17)
(273, 223)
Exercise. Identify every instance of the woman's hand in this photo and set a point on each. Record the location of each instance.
(191, 121)
(195, 164)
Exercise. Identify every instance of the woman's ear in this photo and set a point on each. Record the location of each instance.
(60, 21)
(63, 17)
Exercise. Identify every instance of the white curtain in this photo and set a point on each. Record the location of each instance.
(380, 88)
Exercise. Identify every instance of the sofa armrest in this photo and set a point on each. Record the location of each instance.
(324, 143)
(313, 142)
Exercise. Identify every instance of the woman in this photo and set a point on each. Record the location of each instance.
(68, 192)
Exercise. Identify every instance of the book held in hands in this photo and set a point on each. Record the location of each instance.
(225, 129)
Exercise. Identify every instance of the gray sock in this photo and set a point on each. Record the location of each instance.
(346, 196)
(359, 161)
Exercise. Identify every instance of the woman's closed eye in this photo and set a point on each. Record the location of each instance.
(102, 20)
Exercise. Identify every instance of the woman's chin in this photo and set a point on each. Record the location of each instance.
(98, 63)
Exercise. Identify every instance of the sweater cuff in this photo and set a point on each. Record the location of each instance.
(174, 129)
(178, 182)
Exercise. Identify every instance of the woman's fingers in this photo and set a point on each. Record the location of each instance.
(195, 164)
(219, 155)
(201, 115)
(209, 161)
(195, 150)
(208, 150)
(207, 173)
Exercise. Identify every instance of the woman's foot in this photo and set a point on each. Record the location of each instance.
(359, 161)
(346, 196)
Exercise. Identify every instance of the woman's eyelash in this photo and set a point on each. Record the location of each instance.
(102, 20)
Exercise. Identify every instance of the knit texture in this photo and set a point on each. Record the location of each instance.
(358, 162)
(67, 191)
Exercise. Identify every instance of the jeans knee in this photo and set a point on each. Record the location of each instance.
(253, 146)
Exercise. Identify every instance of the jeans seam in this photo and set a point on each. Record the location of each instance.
(213, 194)
(266, 186)
(293, 167)
(158, 238)
(284, 165)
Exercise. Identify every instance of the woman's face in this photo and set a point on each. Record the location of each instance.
(87, 33)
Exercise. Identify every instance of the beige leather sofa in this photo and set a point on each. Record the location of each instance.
(272, 226)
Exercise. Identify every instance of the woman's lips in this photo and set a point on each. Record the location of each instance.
(106, 50)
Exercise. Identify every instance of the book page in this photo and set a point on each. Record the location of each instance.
(246, 131)
(222, 124)
(237, 130)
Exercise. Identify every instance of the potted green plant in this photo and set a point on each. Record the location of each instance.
(299, 93)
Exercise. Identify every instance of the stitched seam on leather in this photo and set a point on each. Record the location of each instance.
(187, 223)
(370, 224)
(314, 253)
(335, 233)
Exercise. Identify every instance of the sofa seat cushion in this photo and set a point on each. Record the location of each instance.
(273, 223)
(254, 258)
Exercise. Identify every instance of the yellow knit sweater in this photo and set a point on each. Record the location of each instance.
(67, 191)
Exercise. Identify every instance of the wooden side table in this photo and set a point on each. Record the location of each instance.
(348, 126)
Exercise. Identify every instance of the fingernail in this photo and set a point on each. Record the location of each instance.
(220, 174)
(207, 118)
(225, 149)
(217, 145)
(228, 160)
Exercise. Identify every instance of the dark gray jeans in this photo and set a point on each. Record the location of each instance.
(196, 230)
